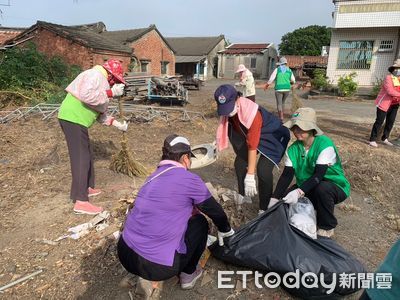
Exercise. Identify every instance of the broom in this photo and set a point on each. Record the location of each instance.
(122, 162)
(296, 101)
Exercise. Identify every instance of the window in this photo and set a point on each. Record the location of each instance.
(355, 54)
(201, 68)
(164, 67)
(386, 46)
(144, 66)
(253, 63)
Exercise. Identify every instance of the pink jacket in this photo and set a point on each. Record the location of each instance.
(90, 88)
(388, 93)
(247, 111)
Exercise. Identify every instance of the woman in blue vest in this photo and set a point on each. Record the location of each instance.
(283, 78)
(252, 130)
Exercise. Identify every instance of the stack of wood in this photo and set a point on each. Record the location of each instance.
(167, 87)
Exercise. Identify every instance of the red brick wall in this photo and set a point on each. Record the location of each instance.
(152, 47)
(99, 58)
(51, 44)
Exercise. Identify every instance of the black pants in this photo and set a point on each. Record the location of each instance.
(81, 159)
(264, 170)
(390, 116)
(195, 240)
(324, 197)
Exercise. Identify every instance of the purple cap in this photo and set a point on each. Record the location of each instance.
(226, 96)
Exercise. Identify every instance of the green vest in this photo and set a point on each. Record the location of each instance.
(282, 81)
(304, 165)
(74, 111)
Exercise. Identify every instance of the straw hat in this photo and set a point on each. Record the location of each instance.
(241, 68)
(306, 119)
(282, 61)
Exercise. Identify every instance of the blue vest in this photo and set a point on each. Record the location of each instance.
(274, 136)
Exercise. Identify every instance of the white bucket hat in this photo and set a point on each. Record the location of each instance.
(282, 61)
(241, 68)
(306, 119)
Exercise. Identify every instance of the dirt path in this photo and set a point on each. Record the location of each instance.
(34, 204)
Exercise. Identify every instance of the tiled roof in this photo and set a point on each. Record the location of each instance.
(245, 48)
(82, 34)
(194, 46)
(297, 61)
(7, 33)
(131, 35)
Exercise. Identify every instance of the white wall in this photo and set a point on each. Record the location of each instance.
(380, 60)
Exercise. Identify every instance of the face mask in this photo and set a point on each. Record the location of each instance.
(234, 112)
(396, 72)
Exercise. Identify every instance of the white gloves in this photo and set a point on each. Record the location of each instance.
(272, 202)
(250, 189)
(121, 126)
(222, 235)
(293, 196)
(117, 89)
(237, 83)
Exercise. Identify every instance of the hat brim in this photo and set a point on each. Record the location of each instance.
(120, 78)
(226, 108)
(304, 125)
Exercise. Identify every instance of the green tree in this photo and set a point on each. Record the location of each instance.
(305, 41)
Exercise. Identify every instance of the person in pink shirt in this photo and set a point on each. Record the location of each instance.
(387, 104)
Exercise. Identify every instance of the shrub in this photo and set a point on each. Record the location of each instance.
(320, 80)
(30, 73)
(347, 86)
(377, 87)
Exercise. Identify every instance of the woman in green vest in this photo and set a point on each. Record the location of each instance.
(86, 102)
(314, 161)
(283, 78)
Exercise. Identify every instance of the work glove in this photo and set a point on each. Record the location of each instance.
(121, 126)
(293, 196)
(222, 235)
(237, 84)
(117, 89)
(250, 189)
(272, 202)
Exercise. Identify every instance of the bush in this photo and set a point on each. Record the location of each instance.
(347, 86)
(320, 80)
(377, 87)
(27, 72)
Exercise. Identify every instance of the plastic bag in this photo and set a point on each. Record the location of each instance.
(269, 243)
(302, 216)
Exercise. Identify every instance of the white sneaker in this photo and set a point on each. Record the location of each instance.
(260, 211)
(386, 142)
(373, 144)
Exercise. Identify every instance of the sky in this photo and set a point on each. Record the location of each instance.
(241, 21)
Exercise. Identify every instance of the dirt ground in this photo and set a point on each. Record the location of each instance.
(35, 207)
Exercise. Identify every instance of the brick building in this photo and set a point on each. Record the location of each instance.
(365, 39)
(77, 45)
(154, 55)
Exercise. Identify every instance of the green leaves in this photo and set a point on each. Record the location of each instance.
(346, 84)
(305, 41)
(31, 72)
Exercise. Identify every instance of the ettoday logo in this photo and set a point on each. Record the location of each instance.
(291, 280)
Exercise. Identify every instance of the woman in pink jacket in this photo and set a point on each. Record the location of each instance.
(387, 104)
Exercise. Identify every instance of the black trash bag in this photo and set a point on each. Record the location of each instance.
(270, 244)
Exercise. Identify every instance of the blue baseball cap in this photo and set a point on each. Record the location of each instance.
(225, 95)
